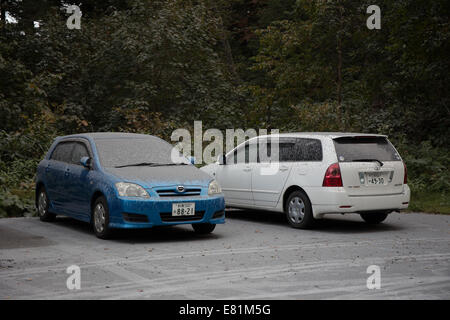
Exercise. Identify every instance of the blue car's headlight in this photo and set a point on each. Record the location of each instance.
(214, 188)
(126, 189)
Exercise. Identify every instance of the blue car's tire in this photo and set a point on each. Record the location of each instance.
(100, 218)
(203, 228)
(42, 205)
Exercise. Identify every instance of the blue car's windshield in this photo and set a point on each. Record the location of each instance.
(149, 151)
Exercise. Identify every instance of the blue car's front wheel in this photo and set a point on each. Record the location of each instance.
(43, 204)
(203, 228)
(100, 218)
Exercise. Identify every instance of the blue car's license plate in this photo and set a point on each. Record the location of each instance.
(183, 209)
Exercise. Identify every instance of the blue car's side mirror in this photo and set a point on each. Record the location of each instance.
(192, 160)
(85, 162)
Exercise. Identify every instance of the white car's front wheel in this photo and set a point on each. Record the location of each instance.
(298, 210)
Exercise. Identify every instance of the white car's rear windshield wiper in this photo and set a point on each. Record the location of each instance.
(368, 160)
(150, 164)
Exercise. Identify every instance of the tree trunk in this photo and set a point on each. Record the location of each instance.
(269, 119)
(226, 43)
(229, 55)
(339, 71)
(339, 80)
(228, 52)
(3, 13)
(339, 65)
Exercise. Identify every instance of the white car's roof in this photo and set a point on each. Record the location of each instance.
(331, 135)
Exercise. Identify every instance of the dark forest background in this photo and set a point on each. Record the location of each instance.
(295, 65)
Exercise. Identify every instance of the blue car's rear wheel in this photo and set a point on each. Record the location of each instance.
(203, 228)
(100, 218)
(42, 205)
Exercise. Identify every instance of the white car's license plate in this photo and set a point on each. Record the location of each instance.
(183, 209)
(375, 178)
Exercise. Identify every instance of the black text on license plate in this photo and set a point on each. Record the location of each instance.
(375, 179)
(183, 209)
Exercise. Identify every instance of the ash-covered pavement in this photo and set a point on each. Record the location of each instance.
(255, 255)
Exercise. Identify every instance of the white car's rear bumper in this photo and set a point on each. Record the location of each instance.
(336, 200)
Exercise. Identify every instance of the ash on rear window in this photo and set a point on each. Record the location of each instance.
(350, 149)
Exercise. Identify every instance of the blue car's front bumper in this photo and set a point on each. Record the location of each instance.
(146, 213)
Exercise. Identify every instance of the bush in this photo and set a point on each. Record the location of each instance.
(12, 205)
(20, 152)
(427, 167)
(17, 187)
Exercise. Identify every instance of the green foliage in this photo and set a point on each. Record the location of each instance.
(16, 202)
(20, 153)
(430, 202)
(14, 206)
(293, 65)
(428, 167)
(324, 53)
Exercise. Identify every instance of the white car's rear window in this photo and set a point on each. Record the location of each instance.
(351, 149)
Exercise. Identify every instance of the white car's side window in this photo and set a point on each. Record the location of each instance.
(241, 155)
(300, 149)
(230, 158)
(286, 150)
(265, 152)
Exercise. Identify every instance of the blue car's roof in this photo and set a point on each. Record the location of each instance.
(144, 175)
(106, 135)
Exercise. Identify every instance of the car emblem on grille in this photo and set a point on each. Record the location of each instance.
(180, 189)
(377, 168)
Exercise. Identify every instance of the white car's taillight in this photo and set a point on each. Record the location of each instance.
(333, 176)
(405, 176)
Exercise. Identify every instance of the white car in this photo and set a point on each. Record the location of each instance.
(313, 174)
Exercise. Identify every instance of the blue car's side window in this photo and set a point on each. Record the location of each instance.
(56, 173)
(62, 152)
(78, 152)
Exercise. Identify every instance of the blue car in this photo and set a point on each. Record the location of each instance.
(124, 180)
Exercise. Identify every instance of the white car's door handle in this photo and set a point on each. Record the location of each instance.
(283, 168)
(247, 169)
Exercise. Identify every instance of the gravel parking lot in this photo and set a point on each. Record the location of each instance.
(255, 255)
